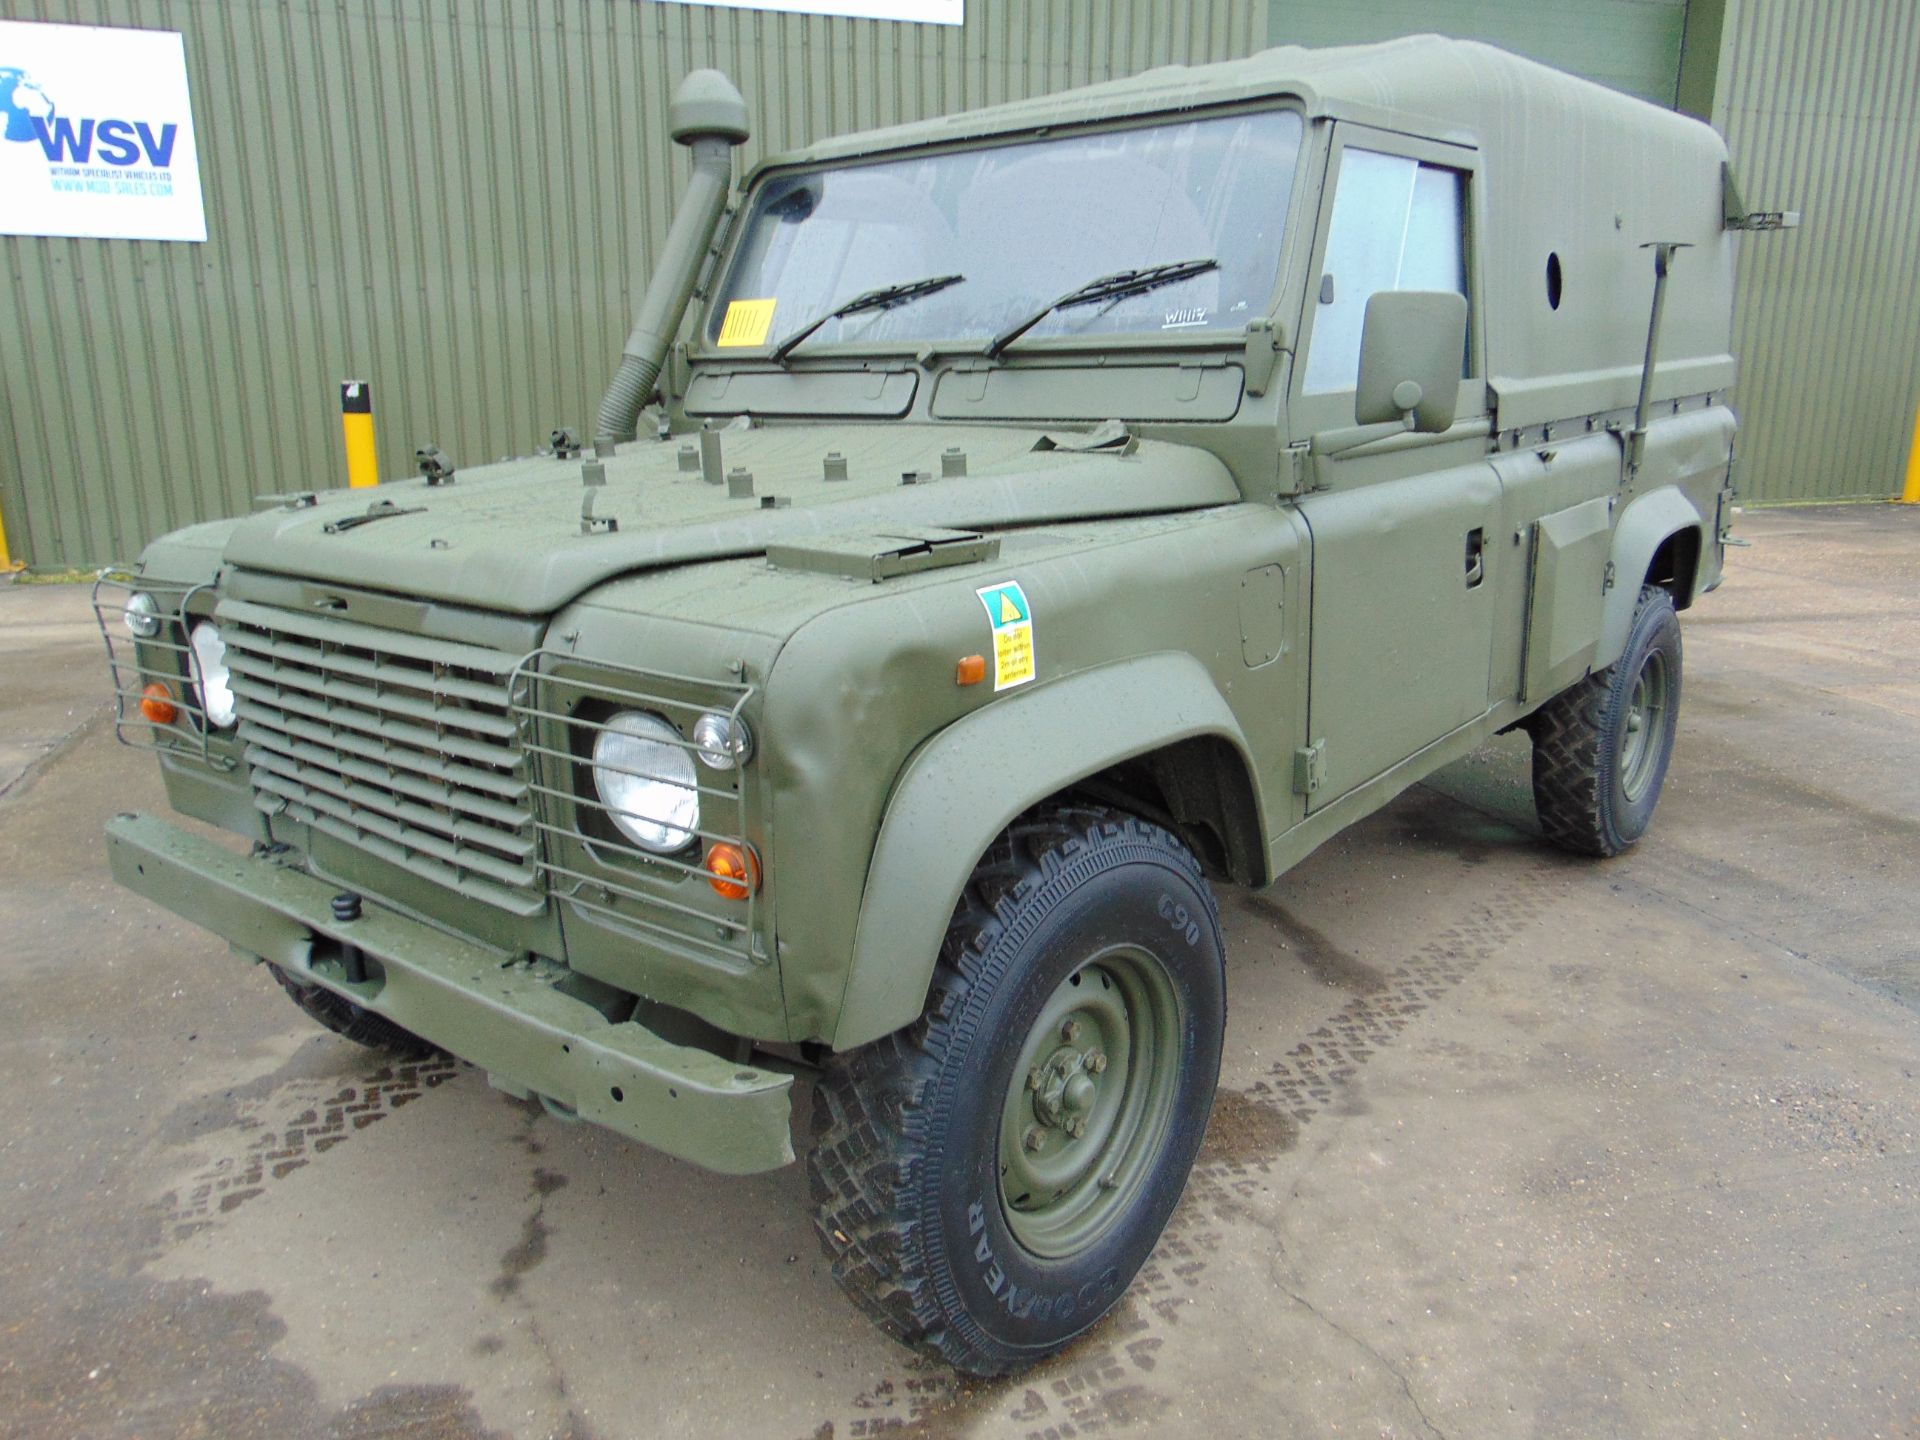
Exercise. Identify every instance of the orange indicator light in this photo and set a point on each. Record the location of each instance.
(156, 703)
(733, 872)
(971, 671)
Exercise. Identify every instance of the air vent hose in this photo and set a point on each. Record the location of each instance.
(709, 118)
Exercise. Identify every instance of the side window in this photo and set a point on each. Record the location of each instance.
(1397, 225)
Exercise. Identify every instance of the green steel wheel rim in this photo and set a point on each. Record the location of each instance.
(1090, 1100)
(1641, 741)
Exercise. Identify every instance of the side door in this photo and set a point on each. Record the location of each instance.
(1404, 530)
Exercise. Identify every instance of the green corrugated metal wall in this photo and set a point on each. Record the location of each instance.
(1820, 105)
(453, 199)
(1632, 45)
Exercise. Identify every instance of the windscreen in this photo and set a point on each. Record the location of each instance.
(1024, 224)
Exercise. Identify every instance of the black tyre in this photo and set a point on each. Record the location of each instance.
(988, 1181)
(351, 1021)
(1601, 747)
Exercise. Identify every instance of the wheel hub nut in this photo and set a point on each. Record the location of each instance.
(1070, 1031)
(1080, 1095)
(1052, 1083)
(1035, 1137)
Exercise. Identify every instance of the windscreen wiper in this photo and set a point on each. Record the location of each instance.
(379, 510)
(885, 298)
(1117, 286)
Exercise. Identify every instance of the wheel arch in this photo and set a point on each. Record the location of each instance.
(1151, 734)
(1657, 541)
(1675, 565)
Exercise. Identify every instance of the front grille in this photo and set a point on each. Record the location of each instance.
(399, 745)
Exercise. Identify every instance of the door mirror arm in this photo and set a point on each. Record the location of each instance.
(1412, 343)
(1352, 437)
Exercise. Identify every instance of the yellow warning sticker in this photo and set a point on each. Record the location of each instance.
(747, 322)
(1012, 621)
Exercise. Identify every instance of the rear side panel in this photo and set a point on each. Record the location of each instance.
(1570, 550)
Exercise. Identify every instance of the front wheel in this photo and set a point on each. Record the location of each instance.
(988, 1182)
(1601, 747)
(351, 1021)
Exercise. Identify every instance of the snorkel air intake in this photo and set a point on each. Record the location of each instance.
(709, 118)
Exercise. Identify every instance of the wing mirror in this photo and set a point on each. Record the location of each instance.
(1411, 346)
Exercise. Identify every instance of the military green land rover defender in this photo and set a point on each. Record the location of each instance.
(1041, 516)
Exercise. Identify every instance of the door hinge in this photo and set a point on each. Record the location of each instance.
(1310, 767)
(1607, 578)
(1299, 470)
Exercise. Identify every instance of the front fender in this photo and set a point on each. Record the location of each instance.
(1644, 526)
(960, 789)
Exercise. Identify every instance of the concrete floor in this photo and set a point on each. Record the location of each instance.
(1508, 1144)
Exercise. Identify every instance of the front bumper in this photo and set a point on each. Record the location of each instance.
(497, 1014)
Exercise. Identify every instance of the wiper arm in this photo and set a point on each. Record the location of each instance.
(885, 298)
(1117, 286)
(379, 510)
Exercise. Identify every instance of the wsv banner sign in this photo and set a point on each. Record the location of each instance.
(96, 134)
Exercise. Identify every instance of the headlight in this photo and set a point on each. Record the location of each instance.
(142, 616)
(722, 741)
(647, 781)
(211, 675)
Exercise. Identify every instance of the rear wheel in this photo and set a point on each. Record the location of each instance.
(351, 1021)
(988, 1181)
(1601, 747)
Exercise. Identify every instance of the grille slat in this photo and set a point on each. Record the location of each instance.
(346, 664)
(379, 738)
(421, 650)
(371, 822)
(405, 781)
(509, 898)
(298, 781)
(362, 697)
(402, 746)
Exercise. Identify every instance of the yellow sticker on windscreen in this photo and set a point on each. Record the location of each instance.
(1012, 621)
(747, 322)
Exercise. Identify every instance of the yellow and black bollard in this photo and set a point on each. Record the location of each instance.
(356, 418)
(1911, 494)
(6, 555)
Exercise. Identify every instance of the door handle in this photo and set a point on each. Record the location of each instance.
(1476, 557)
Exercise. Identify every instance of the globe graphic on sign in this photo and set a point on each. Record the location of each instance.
(21, 103)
